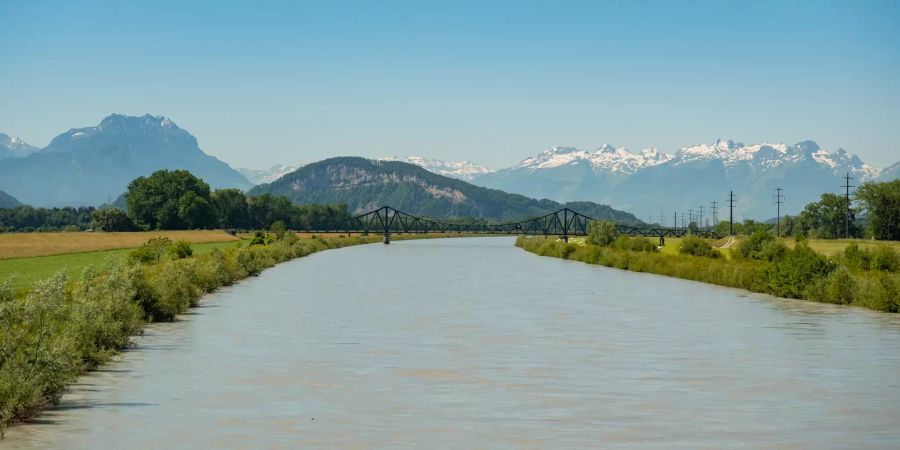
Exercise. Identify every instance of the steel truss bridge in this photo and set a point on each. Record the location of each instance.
(563, 223)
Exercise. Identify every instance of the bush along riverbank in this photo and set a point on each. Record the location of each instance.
(62, 328)
(860, 277)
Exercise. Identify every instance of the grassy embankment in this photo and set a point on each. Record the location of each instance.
(800, 272)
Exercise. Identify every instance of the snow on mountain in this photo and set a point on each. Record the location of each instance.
(260, 176)
(13, 147)
(766, 155)
(464, 170)
(607, 157)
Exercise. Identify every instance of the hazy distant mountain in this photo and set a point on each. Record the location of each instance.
(13, 147)
(568, 173)
(651, 182)
(93, 165)
(260, 176)
(463, 170)
(890, 173)
(365, 184)
(8, 201)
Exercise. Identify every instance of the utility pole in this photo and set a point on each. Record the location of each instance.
(731, 213)
(662, 222)
(675, 221)
(715, 216)
(779, 199)
(847, 187)
(690, 217)
(700, 225)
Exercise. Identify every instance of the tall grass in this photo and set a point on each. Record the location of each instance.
(59, 330)
(800, 273)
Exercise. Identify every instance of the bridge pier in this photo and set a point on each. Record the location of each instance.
(387, 238)
(565, 238)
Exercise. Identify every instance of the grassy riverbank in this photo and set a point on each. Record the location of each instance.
(799, 272)
(61, 328)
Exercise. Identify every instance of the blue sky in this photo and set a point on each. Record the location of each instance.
(292, 82)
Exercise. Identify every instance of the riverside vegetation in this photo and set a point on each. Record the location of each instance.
(761, 263)
(61, 328)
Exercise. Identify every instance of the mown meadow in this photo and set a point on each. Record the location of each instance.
(861, 276)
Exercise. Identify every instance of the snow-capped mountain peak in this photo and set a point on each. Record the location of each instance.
(605, 158)
(14, 147)
(465, 170)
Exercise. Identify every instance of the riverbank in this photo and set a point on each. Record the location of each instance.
(61, 328)
(799, 274)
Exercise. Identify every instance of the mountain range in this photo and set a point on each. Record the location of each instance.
(364, 185)
(89, 166)
(8, 201)
(650, 183)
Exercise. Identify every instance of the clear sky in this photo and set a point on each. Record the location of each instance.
(267, 82)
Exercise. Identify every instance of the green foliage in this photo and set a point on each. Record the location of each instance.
(259, 238)
(692, 245)
(637, 244)
(170, 200)
(152, 250)
(279, 228)
(27, 218)
(885, 258)
(799, 273)
(180, 249)
(602, 232)
(799, 268)
(882, 205)
(826, 218)
(112, 219)
(838, 287)
(752, 246)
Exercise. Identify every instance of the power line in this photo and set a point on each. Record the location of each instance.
(715, 215)
(847, 186)
(779, 199)
(701, 217)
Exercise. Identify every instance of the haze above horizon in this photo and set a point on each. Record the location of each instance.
(290, 82)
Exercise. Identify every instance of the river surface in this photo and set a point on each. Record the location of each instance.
(473, 343)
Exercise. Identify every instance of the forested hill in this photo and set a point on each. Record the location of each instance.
(364, 185)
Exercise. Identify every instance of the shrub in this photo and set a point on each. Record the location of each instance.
(259, 238)
(692, 245)
(151, 251)
(602, 233)
(885, 258)
(750, 247)
(856, 258)
(790, 276)
(279, 228)
(180, 249)
(638, 244)
(772, 250)
(838, 287)
(882, 293)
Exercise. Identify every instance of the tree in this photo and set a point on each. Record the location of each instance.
(882, 205)
(825, 218)
(279, 228)
(231, 208)
(167, 199)
(602, 233)
(112, 219)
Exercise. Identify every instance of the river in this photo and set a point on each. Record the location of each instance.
(473, 343)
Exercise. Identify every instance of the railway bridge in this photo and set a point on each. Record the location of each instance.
(563, 223)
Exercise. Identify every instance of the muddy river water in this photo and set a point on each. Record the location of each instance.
(473, 343)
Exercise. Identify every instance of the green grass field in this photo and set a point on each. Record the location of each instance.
(25, 271)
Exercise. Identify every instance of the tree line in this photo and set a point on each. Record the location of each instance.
(178, 200)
